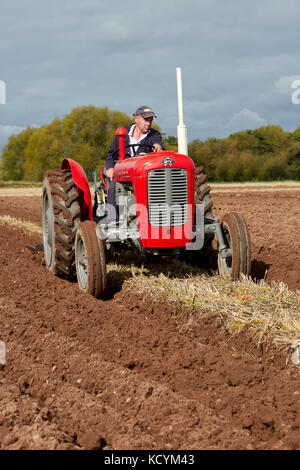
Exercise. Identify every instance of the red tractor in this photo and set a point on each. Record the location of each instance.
(164, 208)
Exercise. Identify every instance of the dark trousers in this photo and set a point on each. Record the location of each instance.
(112, 210)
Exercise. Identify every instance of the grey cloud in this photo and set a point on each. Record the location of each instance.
(234, 58)
(245, 119)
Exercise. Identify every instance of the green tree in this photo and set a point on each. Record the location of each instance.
(244, 140)
(272, 138)
(87, 133)
(274, 168)
(296, 134)
(43, 151)
(13, 155)
(171, 143)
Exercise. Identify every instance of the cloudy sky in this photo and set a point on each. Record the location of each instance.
(238, 60)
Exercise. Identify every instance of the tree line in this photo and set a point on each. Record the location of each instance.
(85, 134)
(263, 154)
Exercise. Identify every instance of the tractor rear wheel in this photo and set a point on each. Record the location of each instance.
(90, 260)
(202, 196)
(237, 259)
(60, 218)
(202, 191)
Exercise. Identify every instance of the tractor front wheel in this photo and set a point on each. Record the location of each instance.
(236, 258)
(90, 260)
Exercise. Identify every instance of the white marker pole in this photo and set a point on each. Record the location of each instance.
(181, 128)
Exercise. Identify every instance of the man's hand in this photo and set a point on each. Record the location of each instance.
(156, 147)
(110, 173)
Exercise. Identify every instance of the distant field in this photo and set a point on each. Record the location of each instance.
(255, 187)
(35, 190)
(20, 192)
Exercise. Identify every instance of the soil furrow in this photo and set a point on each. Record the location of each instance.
(122, 373)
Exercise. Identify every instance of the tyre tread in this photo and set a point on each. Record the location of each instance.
(65, 206)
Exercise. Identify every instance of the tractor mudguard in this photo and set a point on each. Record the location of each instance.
(81, 181)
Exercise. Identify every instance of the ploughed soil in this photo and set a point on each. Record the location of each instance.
(83, 373)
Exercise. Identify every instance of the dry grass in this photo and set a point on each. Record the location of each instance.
(19, 224)
(268, 311)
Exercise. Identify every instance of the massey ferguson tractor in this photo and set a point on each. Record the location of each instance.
(164, 209)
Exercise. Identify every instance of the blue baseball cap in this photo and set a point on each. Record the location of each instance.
(145, 111)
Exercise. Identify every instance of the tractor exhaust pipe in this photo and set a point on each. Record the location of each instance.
(181, 128)
(121, 132)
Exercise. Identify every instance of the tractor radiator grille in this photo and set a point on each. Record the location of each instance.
(167, 197)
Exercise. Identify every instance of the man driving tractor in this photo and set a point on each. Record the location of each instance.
(140, 137)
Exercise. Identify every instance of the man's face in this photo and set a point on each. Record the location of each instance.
(143, 124)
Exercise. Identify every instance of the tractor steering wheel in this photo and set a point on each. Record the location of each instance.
(133, 146)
